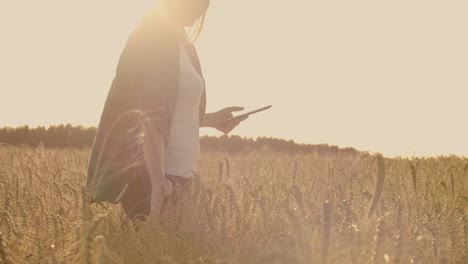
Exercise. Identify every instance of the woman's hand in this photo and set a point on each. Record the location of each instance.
(217, 119)
(153, 152)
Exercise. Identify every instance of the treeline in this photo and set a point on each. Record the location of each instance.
(55, 136)
(69, 136)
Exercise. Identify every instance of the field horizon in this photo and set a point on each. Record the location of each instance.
(69, 127)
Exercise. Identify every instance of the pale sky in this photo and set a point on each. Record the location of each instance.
(384, 76)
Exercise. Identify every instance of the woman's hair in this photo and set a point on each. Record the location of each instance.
(195, 30)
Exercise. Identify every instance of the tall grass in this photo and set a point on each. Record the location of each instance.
(255, 207)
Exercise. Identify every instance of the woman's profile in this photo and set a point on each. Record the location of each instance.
(147, 142)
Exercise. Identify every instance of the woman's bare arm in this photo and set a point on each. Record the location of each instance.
(207, 120)
(153, 151)
(215, 120)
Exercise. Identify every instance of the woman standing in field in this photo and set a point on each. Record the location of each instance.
(147, 143)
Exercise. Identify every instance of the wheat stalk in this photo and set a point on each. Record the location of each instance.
(379, 184)
(326, 231)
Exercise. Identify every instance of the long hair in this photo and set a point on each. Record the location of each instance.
(196, 30)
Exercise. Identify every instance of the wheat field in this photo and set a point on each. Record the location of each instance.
(256, 207)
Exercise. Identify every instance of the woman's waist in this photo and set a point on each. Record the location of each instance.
(183, 138)
(185, 124)
(181, 154)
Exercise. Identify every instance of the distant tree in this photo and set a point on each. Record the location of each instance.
(69, 136)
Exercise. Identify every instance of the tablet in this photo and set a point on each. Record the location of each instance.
(246, 114)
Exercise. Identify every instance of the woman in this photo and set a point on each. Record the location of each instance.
(147, 141)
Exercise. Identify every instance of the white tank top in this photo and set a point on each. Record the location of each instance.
(183, 148)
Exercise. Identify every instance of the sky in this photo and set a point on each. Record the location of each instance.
(383, 76)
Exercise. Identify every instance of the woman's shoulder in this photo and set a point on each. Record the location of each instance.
(150, 36)
(148, 26)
